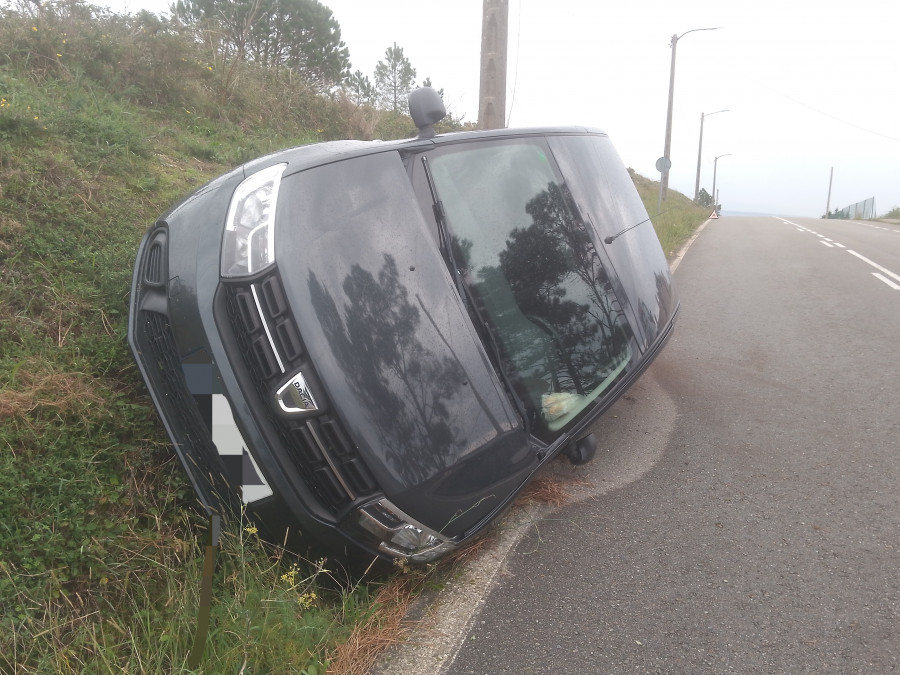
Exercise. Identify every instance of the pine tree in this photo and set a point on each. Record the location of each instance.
(394, 78)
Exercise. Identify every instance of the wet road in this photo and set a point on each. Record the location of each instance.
(745, 508)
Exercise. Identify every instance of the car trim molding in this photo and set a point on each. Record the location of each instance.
(265, 325)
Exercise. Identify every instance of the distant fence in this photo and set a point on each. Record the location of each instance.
(864, 210)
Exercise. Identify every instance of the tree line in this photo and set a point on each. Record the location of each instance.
(301, 35)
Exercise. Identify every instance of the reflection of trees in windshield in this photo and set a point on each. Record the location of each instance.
(570, 327)
(404, 386)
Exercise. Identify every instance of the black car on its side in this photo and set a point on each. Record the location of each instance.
(375, 345)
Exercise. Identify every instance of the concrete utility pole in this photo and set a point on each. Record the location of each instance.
(664, 178)
(494, 38)
(664, 163)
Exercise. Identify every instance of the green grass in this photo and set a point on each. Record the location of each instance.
(100, 567)
(105, 122)
(679, 217)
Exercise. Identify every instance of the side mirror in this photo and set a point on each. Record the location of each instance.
(426, 109)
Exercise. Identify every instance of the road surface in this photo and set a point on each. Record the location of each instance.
(743, 513)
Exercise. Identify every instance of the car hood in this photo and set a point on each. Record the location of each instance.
(393, 345)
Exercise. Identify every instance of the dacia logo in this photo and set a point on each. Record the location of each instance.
(303, 396)
(294, 396)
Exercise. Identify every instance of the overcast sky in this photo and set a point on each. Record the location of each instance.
(808, 85)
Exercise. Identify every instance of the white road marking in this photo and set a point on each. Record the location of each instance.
(881, 275)
(875, 265)
(883, 278)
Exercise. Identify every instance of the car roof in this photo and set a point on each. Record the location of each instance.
(305, 157)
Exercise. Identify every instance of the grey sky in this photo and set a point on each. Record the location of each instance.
(809, 85)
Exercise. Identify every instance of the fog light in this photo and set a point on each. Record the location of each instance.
(400, 536)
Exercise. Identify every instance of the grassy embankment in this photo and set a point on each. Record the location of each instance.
(105, 121)
(679, 218)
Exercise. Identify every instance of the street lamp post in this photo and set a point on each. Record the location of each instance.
(715, 166)
(666, 161)
(699, 153)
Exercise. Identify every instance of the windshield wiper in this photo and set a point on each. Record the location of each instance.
(610, 239)
(465, 294)
(441, 217)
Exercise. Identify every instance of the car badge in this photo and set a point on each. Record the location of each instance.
(294, 396)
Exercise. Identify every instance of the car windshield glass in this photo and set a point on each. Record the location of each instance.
(535, 276)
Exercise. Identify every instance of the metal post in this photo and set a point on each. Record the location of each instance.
(715, 166)
(664, 178)
(828, 202)
(699, 154)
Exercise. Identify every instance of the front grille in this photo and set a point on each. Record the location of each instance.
(186, 427)
(271, 349)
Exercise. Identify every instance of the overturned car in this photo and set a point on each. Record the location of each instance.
(376, 344)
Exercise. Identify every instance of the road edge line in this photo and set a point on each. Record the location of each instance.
(684, 249)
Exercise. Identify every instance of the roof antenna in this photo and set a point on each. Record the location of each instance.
(426, 109)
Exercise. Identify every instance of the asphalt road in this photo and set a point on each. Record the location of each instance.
(743, 513)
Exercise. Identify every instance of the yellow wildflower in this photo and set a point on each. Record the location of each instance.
(290, 576)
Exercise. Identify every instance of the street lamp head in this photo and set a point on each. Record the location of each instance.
(676, 38)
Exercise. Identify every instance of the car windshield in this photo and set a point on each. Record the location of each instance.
(535, 276)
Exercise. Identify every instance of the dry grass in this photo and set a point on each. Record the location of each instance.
(545, 490)
(383, 628)
(550, 489)
(10, 230)
(387, 625)
(35, 386)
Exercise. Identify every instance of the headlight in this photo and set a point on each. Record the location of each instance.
(400, 535)
(249, 241)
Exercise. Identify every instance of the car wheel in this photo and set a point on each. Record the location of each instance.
(582, 451)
